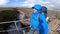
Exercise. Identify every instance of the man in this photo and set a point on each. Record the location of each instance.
(38, 21)
(34, 20)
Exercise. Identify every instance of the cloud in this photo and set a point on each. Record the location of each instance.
(50, 4)
(55, 1)
(56, 4)
(3, 2)
(30, 3)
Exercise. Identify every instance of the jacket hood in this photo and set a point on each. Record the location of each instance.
(37, 6)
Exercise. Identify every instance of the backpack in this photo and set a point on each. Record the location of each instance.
(44, 10)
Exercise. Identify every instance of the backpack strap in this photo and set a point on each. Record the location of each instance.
(39, 17)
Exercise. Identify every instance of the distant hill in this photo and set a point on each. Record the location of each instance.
(28, 11)
(57, 13)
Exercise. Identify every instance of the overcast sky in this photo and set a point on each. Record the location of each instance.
(50, 4)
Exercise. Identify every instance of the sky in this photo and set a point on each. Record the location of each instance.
(50, 4)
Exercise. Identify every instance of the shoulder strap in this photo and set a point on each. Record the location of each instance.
(39, 17)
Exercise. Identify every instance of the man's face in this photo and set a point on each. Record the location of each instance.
(34, 10)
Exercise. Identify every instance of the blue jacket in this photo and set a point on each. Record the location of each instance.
(34, 20)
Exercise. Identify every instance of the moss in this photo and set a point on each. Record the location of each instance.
(7, 15)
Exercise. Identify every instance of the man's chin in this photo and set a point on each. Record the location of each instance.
(34, 12)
